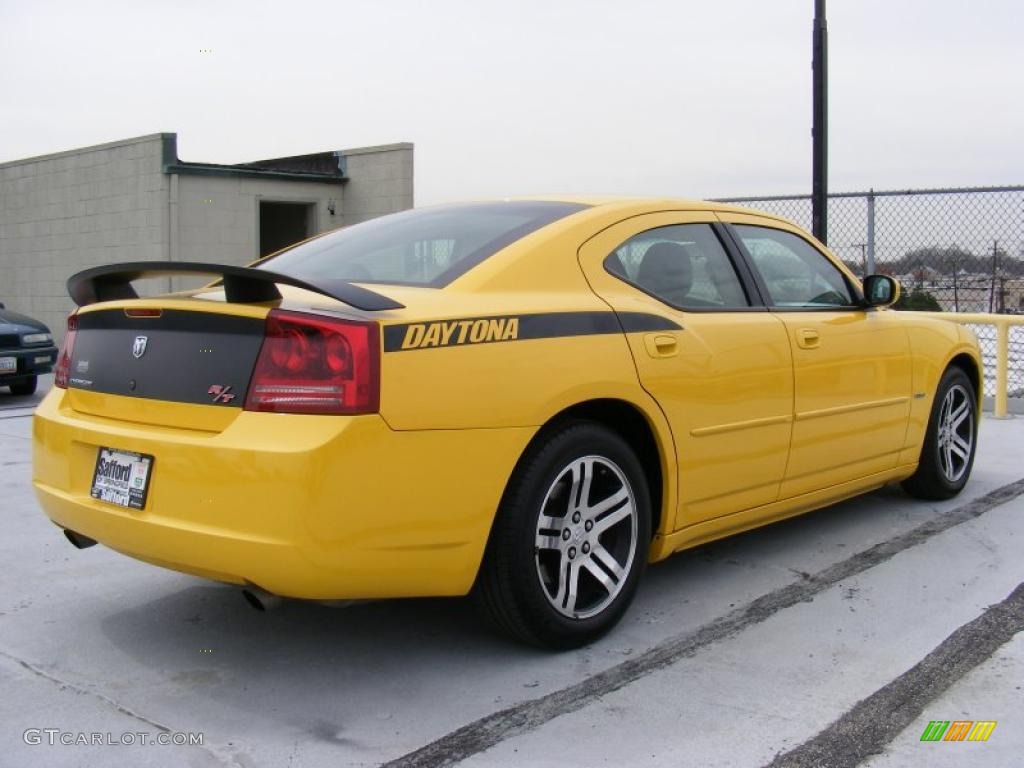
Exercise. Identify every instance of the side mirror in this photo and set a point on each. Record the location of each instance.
(881, 291)
(2, 305)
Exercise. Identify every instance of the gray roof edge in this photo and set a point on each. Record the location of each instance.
(90, 148)
(210, 169)
(379, 148)
(173, 165)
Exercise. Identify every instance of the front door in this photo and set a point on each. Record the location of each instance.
(852, 370)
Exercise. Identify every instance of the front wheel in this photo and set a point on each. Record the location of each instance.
(950, 442)
(570, 540)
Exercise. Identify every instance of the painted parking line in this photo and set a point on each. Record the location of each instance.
(877, 720)
(527, 716)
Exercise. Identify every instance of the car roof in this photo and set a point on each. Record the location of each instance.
(642, 203)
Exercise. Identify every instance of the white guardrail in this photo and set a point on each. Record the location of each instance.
(1002, 325)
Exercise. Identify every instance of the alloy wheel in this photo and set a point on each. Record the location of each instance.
(586, 537)
(956, 432)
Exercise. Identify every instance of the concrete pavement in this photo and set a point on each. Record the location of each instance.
(737, 653)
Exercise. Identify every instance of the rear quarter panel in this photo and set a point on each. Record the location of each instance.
(505, 381)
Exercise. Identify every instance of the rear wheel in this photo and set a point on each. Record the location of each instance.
(570, 540)
(950, 442)
(25, 386)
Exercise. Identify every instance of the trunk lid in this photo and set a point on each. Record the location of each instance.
(164, 366)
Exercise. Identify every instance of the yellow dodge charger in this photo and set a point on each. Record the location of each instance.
(526, 400)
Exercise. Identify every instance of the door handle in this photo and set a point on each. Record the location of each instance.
(808, 338)
(661, 345)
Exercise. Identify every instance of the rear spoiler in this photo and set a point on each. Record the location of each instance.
(243, 285)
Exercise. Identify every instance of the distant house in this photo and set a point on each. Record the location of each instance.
(923, 275)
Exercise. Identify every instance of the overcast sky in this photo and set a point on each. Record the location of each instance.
(693, 99)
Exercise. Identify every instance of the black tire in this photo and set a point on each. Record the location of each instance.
(935, 478)
(516, 589)
(25, 386)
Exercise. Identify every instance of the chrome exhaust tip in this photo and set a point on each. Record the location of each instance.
(260, 599)
(80, 541)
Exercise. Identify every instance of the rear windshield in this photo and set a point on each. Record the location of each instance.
(425, 246)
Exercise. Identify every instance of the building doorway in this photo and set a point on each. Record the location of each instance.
(283, 224)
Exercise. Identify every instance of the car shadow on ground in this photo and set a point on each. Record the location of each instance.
(312, 668)
(318, 668)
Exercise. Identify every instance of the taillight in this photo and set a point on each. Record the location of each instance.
(314, 364)
(67, 351)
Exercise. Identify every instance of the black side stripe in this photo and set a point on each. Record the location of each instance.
(485, 330)
(641, 321)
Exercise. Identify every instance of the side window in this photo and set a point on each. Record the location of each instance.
(683, 265)
(795, 272)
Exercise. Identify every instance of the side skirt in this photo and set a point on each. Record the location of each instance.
(745, 520)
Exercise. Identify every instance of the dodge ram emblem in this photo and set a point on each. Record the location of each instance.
(139, 347)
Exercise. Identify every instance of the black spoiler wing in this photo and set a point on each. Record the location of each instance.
(243, 285)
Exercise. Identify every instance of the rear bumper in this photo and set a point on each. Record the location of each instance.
(320, 507)
(31, 361)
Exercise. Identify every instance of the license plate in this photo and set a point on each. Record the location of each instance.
(121, 478)
(8, 363)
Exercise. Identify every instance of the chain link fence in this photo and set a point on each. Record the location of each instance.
(953, 250)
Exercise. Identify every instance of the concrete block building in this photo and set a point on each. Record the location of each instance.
(135, 200)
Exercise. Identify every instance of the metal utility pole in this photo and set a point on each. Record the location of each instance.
(871, 232)
(863, 258)
(819, 129)
(956, 284)
(995, 272)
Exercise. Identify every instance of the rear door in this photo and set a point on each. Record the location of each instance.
(718, 363)
(852, 370)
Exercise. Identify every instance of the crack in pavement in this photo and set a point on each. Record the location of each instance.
(5, 415)
(64, 685)
(490, 730)
(874, 722)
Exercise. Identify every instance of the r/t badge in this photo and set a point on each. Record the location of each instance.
(221, 394)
